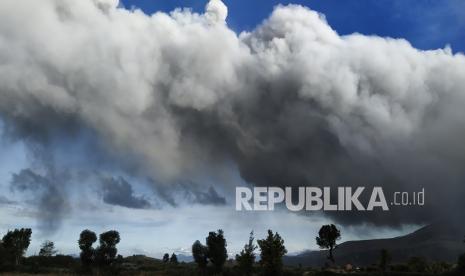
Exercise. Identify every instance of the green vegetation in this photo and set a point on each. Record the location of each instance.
(174, 259)
(272, 250)
(246, 258)
(86, 239)
(166, 258)
(216, 250)
(47, 249)
(327, 237)
(15, 244)
(105, 254)
(385, 259)
(200, 255)
(210, 259)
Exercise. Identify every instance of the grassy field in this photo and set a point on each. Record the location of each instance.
(142, 265)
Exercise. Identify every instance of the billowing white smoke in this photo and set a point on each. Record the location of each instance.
(216, 11)
(111, 70)
(129, 76)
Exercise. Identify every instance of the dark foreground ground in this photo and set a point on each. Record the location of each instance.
(141, 265)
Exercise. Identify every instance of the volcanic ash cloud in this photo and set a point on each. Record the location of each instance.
(290, 103)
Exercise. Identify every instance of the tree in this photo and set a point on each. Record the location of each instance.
(246, 258)
(385, 259)
(417, 264)
(3, 254)
(461, 263)
(119, 259)
(47, 249)
(174, 259)
(106, 252)
(16, 242)
(200, 255)
(327, 237)
(166, 258)
(272, 251)
(216, 248)
(86, 239)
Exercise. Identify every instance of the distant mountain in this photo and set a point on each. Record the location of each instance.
(436, 242)
(185, 258)
(142, 259)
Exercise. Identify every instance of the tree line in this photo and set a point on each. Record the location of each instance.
(14, 245)
(209, 257)
(271, 248)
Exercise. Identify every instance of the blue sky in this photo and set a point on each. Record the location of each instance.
(427, 24)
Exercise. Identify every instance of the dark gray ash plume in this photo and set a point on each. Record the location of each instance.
(291, 103)
(117, 191)
(45, 194)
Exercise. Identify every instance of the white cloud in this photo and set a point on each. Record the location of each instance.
(216, 11)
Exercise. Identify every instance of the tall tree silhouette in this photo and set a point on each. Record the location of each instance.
(417, 264)
(216, 248)
(200, 254)
(327, 237)
(246, 258)
(16, 242)
(174, 259)
(86, 239)
(3, 254)
(47, 249)
(384, 260)
(106, 252)
(272, 251)
(461, 262)
(166, 258)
